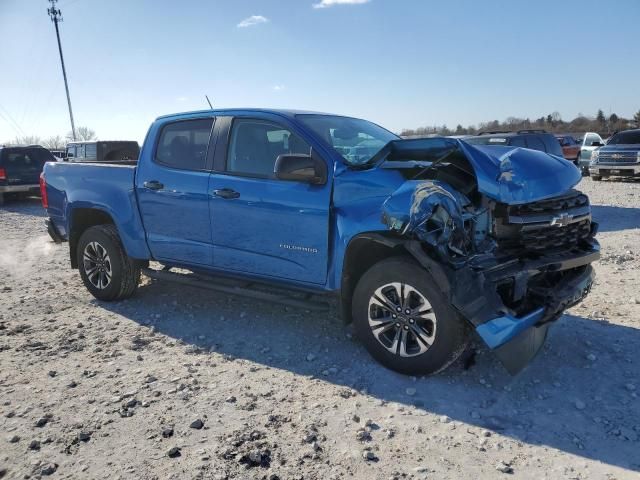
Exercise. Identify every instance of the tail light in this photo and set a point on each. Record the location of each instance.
(43, 191)
(3, 174)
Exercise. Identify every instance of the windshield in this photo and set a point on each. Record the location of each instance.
(631, 137)
(486, 140)
(357, 141)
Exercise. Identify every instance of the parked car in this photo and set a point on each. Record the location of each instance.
(20, 168)
(588, 143)
(419, 241)
(103, 151)
(533, 139)
(619, 157)
(570, 148)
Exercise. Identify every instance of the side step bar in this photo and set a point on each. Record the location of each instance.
(308, 301)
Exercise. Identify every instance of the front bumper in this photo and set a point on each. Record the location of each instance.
(517, 340)
(583, 164)
(19, 188)
(511, 304)
(615, 169)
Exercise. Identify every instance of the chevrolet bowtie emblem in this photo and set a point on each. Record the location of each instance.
(561, 220)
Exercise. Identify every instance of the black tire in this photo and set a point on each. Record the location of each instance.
(1, 199)
(125, 273)
(450, 336)
(596, 178)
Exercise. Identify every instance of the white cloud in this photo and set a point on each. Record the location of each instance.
(331, 3)
(182, 99)
(252, 20)
(278, 88)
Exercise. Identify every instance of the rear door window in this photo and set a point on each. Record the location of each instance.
(183, 145)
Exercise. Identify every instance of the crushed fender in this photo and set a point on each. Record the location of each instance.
(440, 216)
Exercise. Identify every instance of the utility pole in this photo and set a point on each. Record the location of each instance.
(56, 16)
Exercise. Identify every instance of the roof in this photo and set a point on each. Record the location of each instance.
(78, 142)
(229, 111)
(16, 145)
(529, 131)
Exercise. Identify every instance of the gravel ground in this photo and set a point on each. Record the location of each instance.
(185, 383)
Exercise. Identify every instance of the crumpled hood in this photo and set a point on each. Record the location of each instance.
(509, 175)
(519, 175)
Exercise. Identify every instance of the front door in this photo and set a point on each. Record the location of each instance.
(262, 225)
(171, 184)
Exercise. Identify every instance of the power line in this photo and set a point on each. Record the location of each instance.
(10, 120)
(56, 16)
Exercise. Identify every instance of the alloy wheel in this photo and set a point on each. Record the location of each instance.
(97, 265)
(402, 319)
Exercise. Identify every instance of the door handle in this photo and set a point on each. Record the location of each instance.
(153, 185)
(226, 193)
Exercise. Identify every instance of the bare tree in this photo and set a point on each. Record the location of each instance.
(54, 143)
(83, 134)
(28, 140)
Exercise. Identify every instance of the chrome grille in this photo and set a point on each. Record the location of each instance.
(545, 225)
(617, 157)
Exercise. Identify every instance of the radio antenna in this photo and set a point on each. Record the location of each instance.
(209, 102)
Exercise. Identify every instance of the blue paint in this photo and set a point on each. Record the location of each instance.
(184, 225)
(500, 330)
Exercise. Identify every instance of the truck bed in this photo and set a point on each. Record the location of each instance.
(105, 186)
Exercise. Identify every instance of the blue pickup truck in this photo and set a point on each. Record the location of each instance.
(419, 242)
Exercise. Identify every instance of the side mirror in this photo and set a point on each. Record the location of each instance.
(301, 168)
(597, 144)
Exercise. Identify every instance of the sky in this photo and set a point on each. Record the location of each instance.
(399, 63)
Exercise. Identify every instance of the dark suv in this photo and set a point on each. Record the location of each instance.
(620, 157)
(20, 168)
(533, 139)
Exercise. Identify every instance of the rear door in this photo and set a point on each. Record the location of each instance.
(23, 165)
(171, 185)
(262, 225)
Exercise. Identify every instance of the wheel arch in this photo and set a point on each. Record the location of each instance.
(363, 251)
(80, 220)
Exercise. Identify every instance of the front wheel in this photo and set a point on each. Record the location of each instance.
(404, 321)
(105, 268)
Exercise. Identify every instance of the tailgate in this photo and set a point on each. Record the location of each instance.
(22, 166)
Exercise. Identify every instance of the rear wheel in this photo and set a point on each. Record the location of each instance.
(596, 178)
(404, 321)
(105, 269)
(1, 199)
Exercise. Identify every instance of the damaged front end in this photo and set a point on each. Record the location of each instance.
(511, 255)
